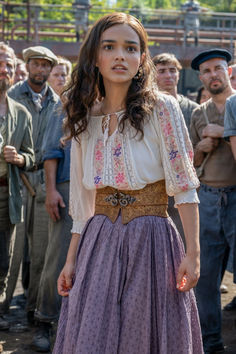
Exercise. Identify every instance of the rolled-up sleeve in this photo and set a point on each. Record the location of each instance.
(52, 147)
(230, 118)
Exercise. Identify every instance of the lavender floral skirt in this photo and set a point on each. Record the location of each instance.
(124, 299)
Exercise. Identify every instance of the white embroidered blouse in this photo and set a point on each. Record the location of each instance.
(126, 162)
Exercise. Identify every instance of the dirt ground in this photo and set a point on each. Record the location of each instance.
(19, 342)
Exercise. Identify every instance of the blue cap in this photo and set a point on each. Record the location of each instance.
(210, 54)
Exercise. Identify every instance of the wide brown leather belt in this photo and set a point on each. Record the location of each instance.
(151, 200)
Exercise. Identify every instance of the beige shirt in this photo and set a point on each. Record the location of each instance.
(3, 132)
(220, 168)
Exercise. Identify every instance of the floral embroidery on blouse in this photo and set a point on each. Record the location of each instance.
(172, 148)
(118, 160)
(173, 154)
(117, 152)
(98, 162)
(111, 152)
(190, 154)
(181, 177)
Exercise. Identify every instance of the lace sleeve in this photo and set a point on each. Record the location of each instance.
(82, 200)
(176, 152)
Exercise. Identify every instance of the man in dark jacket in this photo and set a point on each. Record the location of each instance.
(16, 154)
(40, 100)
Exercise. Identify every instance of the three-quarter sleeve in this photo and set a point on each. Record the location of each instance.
(82, 200)
(176, 152)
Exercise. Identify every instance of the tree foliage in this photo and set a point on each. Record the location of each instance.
(220, 5)
(137, 7)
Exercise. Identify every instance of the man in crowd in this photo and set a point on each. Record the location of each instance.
(230, 136)
(40, 100)
(233, 76)
(230, 125)
(57, 172)
(202, 95)
(16, 155)
(60, 75)
(21, 73)
(192, 10)
(217, 192)
(167, 77)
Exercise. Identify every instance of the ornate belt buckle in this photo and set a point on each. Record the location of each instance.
(126, 199)
(121, 198)
(113, 199)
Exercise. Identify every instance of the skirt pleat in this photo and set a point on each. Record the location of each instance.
(124, 298)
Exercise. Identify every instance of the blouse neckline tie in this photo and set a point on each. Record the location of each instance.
(105, 127)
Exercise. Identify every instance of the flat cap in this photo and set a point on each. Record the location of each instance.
(39, 52)
(210, 54)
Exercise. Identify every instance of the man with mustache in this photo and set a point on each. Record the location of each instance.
(16, 154)
(217, 192)
(40, 100)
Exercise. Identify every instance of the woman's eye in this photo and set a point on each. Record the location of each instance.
(131, 49)
(108, 47)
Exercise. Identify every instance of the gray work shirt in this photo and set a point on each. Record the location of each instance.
(230, 118)
(187, 107)
(22, 94)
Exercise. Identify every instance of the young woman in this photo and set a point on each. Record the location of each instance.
(127, 281)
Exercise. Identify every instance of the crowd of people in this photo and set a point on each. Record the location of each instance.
(101, 172)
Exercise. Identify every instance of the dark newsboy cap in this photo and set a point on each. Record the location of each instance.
(210, 54)
(39, 52)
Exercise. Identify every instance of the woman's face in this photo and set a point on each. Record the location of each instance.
(205, 96)
(119, 54)
(58, 78)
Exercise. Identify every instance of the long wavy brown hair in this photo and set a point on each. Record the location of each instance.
(87, 83)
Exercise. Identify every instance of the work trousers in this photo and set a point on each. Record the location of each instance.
(7, 239)
(217, 235)
(34, 230)
(49, 301)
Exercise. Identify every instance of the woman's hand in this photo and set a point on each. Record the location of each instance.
(189, 269)
(64, 282)
(188, 273)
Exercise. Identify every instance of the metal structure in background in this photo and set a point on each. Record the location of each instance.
(62, 28)
(81, 17)
(36, 23)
